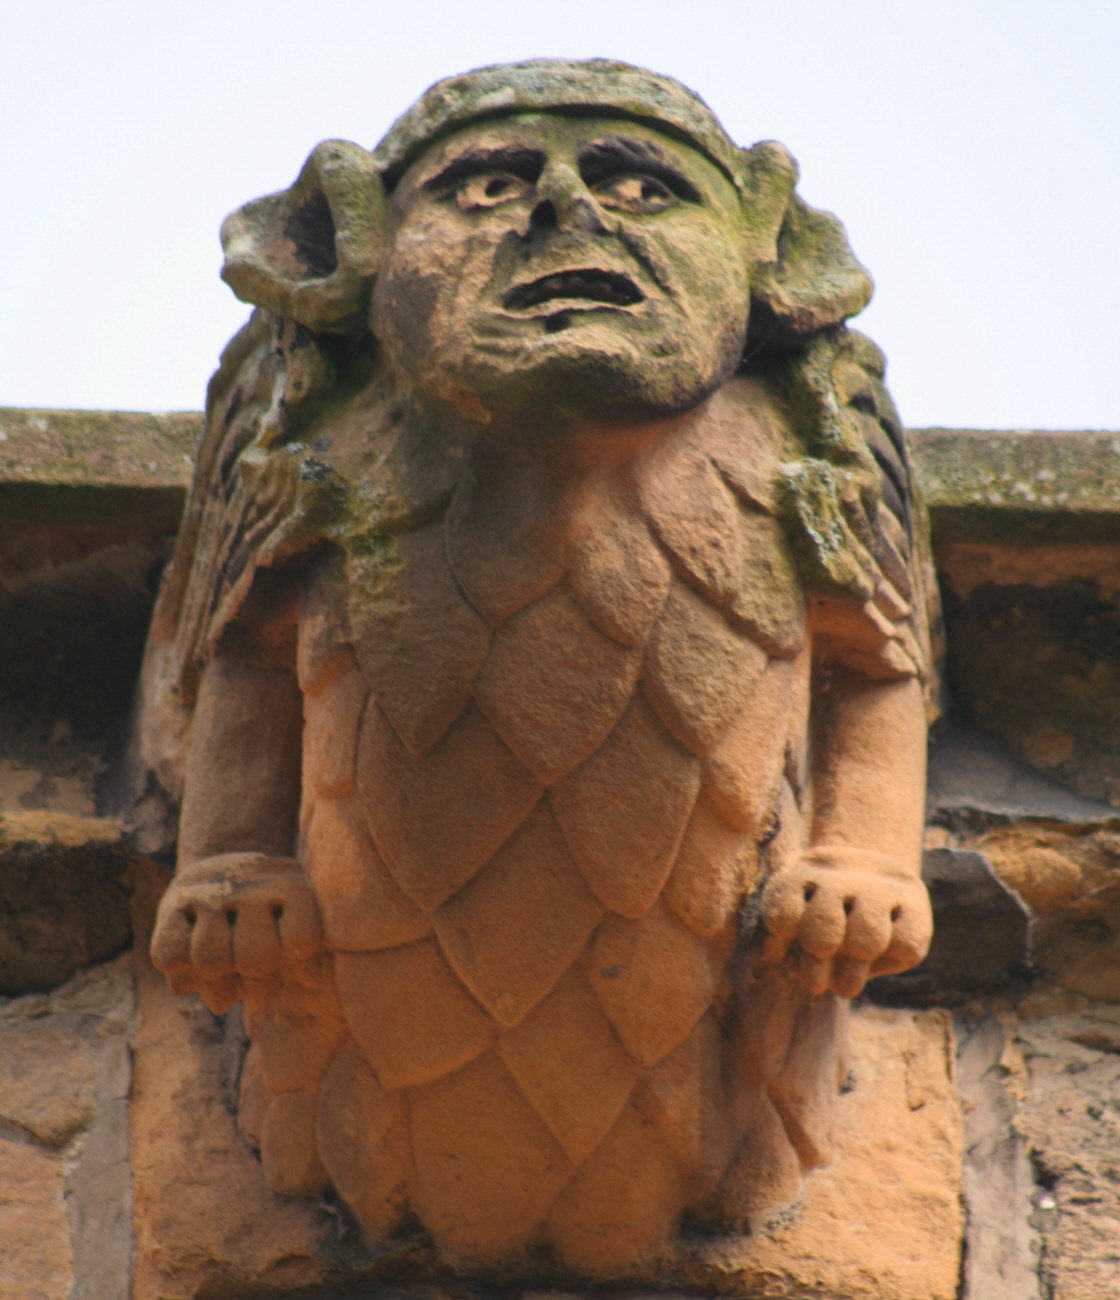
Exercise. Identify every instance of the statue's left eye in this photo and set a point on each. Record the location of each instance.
(490, 189)
(634, 194)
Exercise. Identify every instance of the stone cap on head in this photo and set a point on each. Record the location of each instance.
(599, 87)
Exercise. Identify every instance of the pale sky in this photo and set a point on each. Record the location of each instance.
(971, 147)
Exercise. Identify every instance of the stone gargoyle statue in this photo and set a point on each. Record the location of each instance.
(544, 670)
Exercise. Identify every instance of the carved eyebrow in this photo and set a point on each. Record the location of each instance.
(621, 156)
(525, 163)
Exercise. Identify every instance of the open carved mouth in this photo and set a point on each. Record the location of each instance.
(595, 286)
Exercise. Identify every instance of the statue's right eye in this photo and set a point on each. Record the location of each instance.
(490, 189)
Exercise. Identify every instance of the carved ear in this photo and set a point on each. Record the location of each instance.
(808, 277)
(311, 253)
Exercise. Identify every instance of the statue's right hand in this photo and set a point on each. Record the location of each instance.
(229, 927)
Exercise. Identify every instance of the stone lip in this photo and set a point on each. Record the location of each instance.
(96, 466)
(98, 448)
(1020, 486)
(983, 485)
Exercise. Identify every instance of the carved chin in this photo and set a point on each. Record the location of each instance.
(583, 364)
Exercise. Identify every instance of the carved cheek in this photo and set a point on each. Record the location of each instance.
(405, 303)
(428, 292)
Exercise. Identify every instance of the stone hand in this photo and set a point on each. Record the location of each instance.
(231, 927)
(843, 915)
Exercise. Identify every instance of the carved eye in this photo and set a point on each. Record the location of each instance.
(635, 194)
(490, 189)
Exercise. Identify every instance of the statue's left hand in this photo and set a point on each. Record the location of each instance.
(232, 927)
(844, 915)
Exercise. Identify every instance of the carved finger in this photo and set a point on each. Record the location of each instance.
(220, 994)
(849, 975)
(171, 943)
(815, 972)
(868, 934)
(212, 946)
(256, 943)
(824, 924)
(297, 920)
(911, 930)
(783, 905)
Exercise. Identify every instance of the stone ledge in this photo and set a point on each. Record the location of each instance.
(96, 466)
(1018, 486)
(1021, 486)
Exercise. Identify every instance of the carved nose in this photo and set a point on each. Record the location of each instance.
(543, 216)
(565, 203)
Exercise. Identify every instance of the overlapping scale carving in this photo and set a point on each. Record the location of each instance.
(741, 772)
(363, 907)
(715, 866)
(505, 534)
(330, 732)
(521, 922)
(623, 1202)
(695, 516)
(742, 440)
(363, 1140)
(410, 1015)
(768, 602)
(420, 642)
(553, 685)
(654, 978)
(618, 572)
(698, 671)
(685, 1096)
(765, 1172)
(438, 818)
(487, 1168)
(624, 810)
(568, 1062)
(810, 1076)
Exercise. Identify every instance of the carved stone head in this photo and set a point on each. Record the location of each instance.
(552, 237)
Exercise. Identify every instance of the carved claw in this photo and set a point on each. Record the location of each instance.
(234, 927)
(844, 915)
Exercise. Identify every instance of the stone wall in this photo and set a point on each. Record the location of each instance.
(980, 1152)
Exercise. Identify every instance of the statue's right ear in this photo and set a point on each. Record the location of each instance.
(311, 253)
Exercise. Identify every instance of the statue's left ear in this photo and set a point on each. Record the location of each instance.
(804, 274)
(311, 253)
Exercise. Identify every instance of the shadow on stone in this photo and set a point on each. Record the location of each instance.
(981, 936)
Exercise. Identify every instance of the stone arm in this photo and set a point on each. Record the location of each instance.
(853, 905)
(239, 914)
